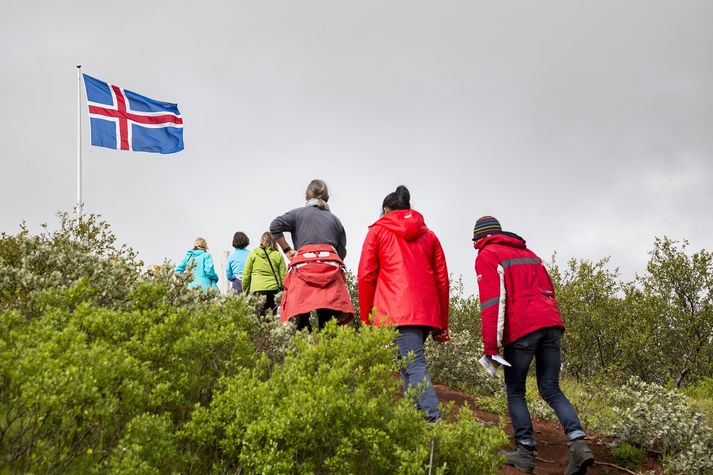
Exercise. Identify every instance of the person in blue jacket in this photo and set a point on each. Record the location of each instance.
(236, 261)
(203, 269)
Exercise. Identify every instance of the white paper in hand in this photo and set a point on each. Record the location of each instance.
(492, 363)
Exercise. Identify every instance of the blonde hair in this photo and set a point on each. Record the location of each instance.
(267, 241)
(200, 243)
(317, 190)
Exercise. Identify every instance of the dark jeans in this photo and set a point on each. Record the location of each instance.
(323, 316)
(237, 285)
(545, 346)
(269, 301)
(411, 340)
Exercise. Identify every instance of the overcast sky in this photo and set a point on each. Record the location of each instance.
(585, 127)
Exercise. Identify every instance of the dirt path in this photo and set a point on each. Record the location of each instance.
(552, 451)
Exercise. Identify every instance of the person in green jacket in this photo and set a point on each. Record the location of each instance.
(203, 270)
(264, 272)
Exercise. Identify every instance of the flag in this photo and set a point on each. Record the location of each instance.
(124, 120)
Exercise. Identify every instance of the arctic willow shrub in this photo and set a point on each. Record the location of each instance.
(82, 248)
(653, 417)
(456, 363)
(331, 408)
(75, 376)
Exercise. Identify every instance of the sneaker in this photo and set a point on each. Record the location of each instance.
(522, 458)
(580, 458)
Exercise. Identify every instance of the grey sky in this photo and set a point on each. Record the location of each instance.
(586, 127)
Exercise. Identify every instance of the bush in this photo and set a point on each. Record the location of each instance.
(628, 456)
(655, 418)
(106, 369)
(456, 363)
(330, 409)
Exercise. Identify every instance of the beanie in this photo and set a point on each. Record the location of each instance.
(485, 226)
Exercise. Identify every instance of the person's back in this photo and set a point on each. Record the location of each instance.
(511, 273)
(520, 315)
(412, 284)
(264, 270)
(236, 261)
(203, 269)
(403, 281)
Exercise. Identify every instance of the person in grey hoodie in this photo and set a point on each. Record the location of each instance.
(311, 224)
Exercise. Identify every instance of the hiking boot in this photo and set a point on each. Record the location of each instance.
(580, 458)
(522, 458)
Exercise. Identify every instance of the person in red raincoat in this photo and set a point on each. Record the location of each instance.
(520, 316)
(316, 275)
(403, 281)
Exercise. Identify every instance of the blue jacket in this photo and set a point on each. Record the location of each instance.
(203, 271)
(236, 264)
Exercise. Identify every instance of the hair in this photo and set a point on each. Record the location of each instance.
(240, 240)
(200, 243)
(317, 190)
(399, 199)
(267, 241)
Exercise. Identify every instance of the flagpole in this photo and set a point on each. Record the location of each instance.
(79, 139)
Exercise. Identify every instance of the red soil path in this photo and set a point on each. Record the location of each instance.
(552, 450)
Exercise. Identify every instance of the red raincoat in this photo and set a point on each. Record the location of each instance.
(315, 279)
(516, 293)
(403, 273)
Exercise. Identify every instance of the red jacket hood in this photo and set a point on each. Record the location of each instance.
(508, 239)
(407, 223)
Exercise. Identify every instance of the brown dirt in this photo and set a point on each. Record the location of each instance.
(552, 451)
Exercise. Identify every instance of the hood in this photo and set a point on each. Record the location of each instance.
(195, 252)
(505, 238)
(407, 223)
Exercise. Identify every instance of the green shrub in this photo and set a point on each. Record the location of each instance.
(329, 408)
(628, 456)
(653, 417)
(456, 363)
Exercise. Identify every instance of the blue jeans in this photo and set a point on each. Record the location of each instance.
(411, 339)
(544, 345)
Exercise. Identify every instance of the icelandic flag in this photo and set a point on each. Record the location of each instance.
(124, 120)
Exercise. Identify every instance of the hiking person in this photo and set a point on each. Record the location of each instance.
(403, 281)
(316, 275)
(520, 315)
(203, 270)
(236, 261)
(264, 272)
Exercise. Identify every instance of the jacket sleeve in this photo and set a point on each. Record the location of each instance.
(368, 273)
(281, 269)
(181, 267)
(247, 272)
(229, 271)
(283, 224)
(489, 293)
(209, 268)
(442, 281)
(342, 242)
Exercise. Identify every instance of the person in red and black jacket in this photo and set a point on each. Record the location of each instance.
(520, 315)
(403, 281)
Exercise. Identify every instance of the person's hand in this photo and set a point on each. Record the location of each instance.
(441, 335)
(291, 253)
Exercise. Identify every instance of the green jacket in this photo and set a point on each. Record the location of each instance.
(257, 274)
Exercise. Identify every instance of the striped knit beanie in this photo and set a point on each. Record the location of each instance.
(485, 226)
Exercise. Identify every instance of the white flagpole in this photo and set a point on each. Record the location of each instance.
(79, 139)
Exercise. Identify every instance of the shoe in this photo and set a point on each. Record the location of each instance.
(522, 458)
(580, 458)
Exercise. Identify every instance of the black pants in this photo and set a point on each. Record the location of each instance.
(323, 316)
(269, 301)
